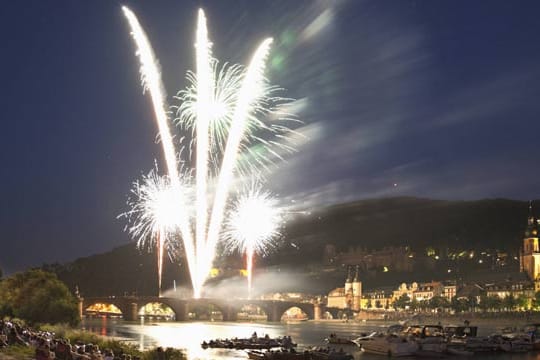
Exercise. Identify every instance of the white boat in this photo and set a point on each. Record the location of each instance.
(389, 345)
(430, 339)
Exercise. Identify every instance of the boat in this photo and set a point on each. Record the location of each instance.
(387, 344)
(252, 343)
(431, 339)
(330, 355)
(256, 355)
(280, 355)
(333, 339)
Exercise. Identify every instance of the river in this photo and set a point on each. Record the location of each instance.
(189, 335)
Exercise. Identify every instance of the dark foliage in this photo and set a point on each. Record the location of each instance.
(37, 296)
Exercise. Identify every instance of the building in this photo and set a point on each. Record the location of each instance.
(427, 291)
(348, 297)
(405, 289)
(377, 299)
(449, 290)
(529, 260)
(509, 288)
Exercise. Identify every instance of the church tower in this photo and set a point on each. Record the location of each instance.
(348, 282)
(530, 253)
(356, 290)
(348, 289)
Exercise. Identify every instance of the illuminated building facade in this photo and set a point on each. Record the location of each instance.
(529, 260)
(348, 297)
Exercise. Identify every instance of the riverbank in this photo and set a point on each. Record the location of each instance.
(60, 341)
(501, 320)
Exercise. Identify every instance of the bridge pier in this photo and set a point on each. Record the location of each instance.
(275, 314)
(230, 313)
(132, 312)
(181, 310)
(317, 311)
(80, 307)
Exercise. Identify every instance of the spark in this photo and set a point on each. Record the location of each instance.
(203, 99)
(224, 107)
(251, 88)
(151, 80)
(252, 224)
(156, 208)
(226, 81)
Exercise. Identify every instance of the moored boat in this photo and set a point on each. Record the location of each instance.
(387, 344)
(337, 340)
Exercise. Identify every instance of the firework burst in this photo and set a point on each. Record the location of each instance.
(253, 224)
(223, 108)
(156, 209)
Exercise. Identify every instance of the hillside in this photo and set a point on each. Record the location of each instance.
(368, 224)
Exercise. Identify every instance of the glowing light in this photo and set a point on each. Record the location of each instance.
(151, 80)
(252, 224)
(156, 208)
(251, 88)
(222, 107)
(226, 82)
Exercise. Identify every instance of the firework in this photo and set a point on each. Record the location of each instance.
(151, 79)
(156, 208)
(222, 108)
(252, 86)
(252, 225)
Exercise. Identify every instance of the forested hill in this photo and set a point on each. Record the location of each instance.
(369, 224)
(413, 222)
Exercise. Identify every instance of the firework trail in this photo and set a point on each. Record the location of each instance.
(151, 79)
(222, 107)
(252, 86)
(203, 118)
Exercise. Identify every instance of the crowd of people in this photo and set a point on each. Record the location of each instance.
(47, 346)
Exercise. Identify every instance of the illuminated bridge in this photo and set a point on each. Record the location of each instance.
(229, 308)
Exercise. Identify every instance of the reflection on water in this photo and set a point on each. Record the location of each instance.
(189, 335)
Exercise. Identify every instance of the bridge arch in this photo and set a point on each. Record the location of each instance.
(295, 313)
(207, 309)
(157, 309)
(103, 308)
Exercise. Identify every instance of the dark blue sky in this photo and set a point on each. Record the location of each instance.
(423, 98)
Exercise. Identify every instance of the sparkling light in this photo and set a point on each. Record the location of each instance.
(223, 108)
(203, 117)
(252, 86)
(252, 224)
(151, 79)
(156, 208)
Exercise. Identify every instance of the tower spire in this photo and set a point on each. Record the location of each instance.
(356, 277)
(349, 275)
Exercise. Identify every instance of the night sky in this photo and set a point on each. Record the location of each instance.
(436, 99)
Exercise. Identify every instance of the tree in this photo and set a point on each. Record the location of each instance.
(490, 303)
(509, 303)
(522, 302)
(472, 303)
(536, 300)
(402, 302)
(459, 304)
(37, 297)
(439, 303)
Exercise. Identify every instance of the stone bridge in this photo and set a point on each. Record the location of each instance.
(130, 305)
